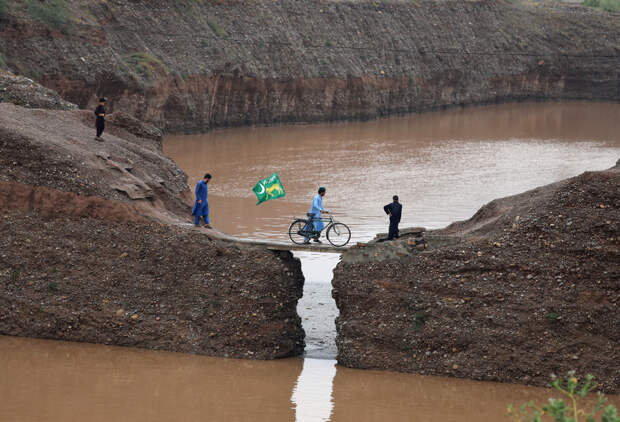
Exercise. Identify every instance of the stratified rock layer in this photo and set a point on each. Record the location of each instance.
(529, 286)
(190, 66)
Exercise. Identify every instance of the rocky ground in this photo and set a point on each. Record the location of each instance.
(95, 244)
(55, 148)
(145, 285)
(196, 65)
(529, 286)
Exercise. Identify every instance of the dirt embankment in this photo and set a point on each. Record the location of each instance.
(145, 285)
(95, 246)
(53, 146)
(191, 66)
(529, 286)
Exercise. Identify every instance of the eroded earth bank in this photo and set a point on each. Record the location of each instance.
(194, 65)
(527, 287)
(93, 248)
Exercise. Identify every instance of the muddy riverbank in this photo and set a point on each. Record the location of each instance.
(192, 66)
(525, 288)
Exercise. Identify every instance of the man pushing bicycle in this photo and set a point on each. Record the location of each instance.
(315, 215)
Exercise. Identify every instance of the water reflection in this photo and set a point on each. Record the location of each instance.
(312, 394)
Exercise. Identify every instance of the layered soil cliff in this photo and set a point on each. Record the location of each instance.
(529, 286)
(190, 66)
(94, 246)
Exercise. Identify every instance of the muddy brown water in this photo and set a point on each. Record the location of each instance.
(44, 380)
(443, 165)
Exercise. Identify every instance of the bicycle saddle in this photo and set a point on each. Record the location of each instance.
(309, 214)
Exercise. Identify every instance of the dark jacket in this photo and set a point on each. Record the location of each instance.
(100, 110)
(395, 209)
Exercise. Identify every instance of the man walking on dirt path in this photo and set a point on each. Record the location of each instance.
(316, 210)
(394, 210)
(201, 206)
(100, 119)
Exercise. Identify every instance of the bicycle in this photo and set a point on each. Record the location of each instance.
(338, 234)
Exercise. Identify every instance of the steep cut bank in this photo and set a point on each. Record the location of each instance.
(191, 66)
(95, 248)
(529, 286)
(145, 285)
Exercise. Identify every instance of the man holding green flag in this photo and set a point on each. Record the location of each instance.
(269, 188)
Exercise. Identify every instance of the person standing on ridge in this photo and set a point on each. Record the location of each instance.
(100, 119)
(201, 206)
(315, 214)
(394, 210)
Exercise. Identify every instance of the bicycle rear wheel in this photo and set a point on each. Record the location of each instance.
(338, 234)
(298, 231)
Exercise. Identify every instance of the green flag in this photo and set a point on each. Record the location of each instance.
(269, 188)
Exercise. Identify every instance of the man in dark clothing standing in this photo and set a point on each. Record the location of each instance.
(394, 210)
(100, 121)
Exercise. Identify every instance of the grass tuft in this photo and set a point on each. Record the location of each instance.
(4, 8)
(144, 63)
(608, 5)
(217, 29)
(53, 13)
(15, 274)
(419, 320)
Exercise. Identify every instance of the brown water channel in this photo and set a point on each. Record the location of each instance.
(443, 165)
(42, 380)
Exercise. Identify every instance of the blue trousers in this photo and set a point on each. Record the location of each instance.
(316, 224)
(205, 215)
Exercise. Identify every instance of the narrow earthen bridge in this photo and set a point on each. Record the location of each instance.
(312, 247)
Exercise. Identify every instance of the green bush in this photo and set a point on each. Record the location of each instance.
(558, 411)
(53, 13)
(144, 63)
(608, 5)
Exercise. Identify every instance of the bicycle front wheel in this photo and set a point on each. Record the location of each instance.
(338, 234)
(298, 231)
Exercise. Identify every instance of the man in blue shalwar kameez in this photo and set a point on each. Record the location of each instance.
(201, 206)
(316, 210)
